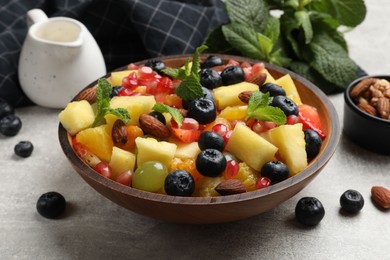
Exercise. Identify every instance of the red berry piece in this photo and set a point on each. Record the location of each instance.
(262, 182)
(104, 169)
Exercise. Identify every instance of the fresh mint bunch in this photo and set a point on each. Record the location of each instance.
(305, 38)
(259, 108)
(103, 92)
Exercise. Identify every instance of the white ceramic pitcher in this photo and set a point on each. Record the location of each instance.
(59, 57)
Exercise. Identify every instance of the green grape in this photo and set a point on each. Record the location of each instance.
(150, 176)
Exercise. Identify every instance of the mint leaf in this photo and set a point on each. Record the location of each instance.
(175, 113)
(196, 59)
(269, 113)
(251, 13)
(103, 92)
(190, 88)
(303, 20)
(331, 60)
(349, 12)
(258, 99)
(217, 42)
(243, 39)
(272, 29)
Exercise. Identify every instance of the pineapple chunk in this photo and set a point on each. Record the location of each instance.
(290, 139)
(234, 113)
(187, 150)
(117, 76)
(251, 148)
(121, 160)
(228, 95)
(149, 149)
(97, 140)
(136, 105)
(287, 83)
(269, 78)
(77, 116)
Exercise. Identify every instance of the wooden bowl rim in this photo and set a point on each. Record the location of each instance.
(332, 139)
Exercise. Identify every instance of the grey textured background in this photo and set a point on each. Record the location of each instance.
(95, 228)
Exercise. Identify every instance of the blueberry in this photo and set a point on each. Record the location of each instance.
(210, 78)
(5, 108)
(210, 162)
(51, 204)
(351, 201)
(210, 139)
(159, 116)
(273, 89)
(24, 149)
(286, 105)
(156, 65)
(206, 94)
(313, 143)
(276, 171)
(232, 75)
(211, 61)
(179, 183)
(309, 211)
(202, 110)
(115, 90)
(10, 125)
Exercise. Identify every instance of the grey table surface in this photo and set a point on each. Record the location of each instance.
(95, 228)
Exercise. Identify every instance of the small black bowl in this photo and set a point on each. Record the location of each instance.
(368, 131)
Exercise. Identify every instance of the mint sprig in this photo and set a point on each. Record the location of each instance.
(307, 38)
(103, 92)
(178, 73)
(175, 113)
(259, 108)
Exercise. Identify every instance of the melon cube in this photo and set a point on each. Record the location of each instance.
(234, 113)
(121, 160)
(269, 78)
(117, 76)
(187, 150)
(97, 140)
(77, 116)
(149, 149)
(228, 95)
(290, 139)
(250, 147)
(287, 83)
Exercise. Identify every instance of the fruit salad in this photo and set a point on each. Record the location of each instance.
(208, 128)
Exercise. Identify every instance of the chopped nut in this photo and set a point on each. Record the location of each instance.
(383, 107)
(362, 86)
(367, 108)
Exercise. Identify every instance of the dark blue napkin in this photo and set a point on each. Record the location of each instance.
(126, 30)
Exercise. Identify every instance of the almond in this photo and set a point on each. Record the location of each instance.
(381, 196)
(119, 133)
(88, 94)
(151, 125)
(258, 79)
(245, 96)
(383, 107)
(367, 108)
(362, 86)
(231, 186)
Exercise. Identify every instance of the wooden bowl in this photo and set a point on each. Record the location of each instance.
(205, 210)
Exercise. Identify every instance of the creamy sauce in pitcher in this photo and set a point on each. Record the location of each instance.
(58, 31)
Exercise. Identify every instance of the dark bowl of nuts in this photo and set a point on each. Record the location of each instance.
(367, 113)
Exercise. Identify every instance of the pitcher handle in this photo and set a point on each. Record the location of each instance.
(35, 16)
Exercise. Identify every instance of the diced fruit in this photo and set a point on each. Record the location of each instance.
(250, 147)
(247, 176)
(187, 165)
(287, 83)
(117, 76)
(121, 160)
(150, 176)
(125, 178)
(290, 140)
(310, 119)
(187, 150)
(149, 149)
(104, 169)
(77, 116)
(234, 113)
(269, 78)
(133, 132)
(88, 157)
(205, 187)
(228, 95)
(135, 105)
(218, 120)
(97, 140)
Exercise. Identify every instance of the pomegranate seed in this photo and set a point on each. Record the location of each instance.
(165, 85)
(232, 169)
(292, 120)
(236, 121)
(246, 65)
(103, 169)
(189, 124)
(125, 178)
(220, 129)
(248, 73)
(269, 125)
(227, 136)
(257, 68)
(232, 62)
(125, 92)
(262, 182)
(132, 66)
(258, 127)
(145, 72)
